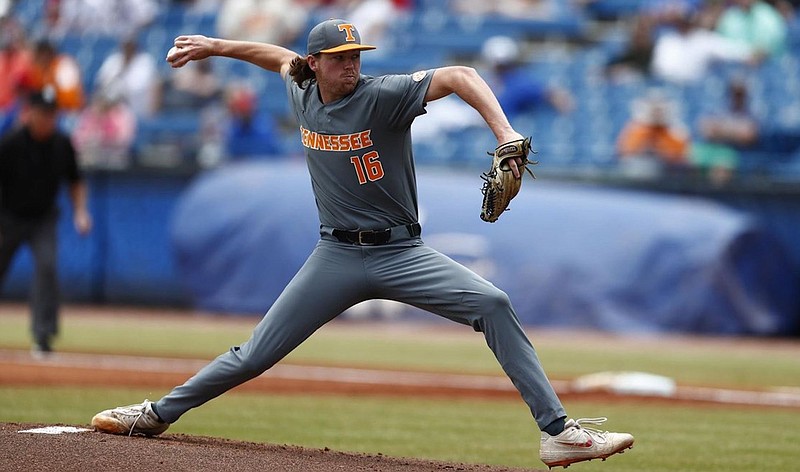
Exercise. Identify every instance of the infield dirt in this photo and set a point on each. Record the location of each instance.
(80, 452)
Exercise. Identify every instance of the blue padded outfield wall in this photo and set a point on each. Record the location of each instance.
(568, 255)
(127, 258)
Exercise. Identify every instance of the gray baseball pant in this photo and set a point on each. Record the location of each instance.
(337, 276)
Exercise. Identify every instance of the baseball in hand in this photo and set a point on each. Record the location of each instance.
(171, 53)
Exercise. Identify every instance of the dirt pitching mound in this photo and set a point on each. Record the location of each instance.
(92, 451)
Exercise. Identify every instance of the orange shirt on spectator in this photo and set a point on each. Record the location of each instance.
(640, 139)
(60, 71)
(15, 65)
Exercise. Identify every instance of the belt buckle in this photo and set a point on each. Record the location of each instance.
(361, 241)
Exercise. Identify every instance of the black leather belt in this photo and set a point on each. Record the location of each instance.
(377, 237)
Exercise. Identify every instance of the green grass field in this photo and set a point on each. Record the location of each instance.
(668, 437)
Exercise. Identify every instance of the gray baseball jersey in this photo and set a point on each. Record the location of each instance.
(358, 150)
(362, 172)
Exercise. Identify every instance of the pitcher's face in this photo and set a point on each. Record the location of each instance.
(337, 73)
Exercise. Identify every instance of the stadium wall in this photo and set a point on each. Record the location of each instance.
(581, 255)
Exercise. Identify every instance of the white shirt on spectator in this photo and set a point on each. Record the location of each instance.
(134, 81)
(269, 21)
(686, 58)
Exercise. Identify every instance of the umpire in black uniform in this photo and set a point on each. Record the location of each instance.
(35, 159)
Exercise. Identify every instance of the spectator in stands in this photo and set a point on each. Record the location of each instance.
(654, 139)
(250, 132)
(15, 66)
(60, 71)
(104, 132)
(526, 9)
(517, 88)
(271, 21)
(113, 18)
(633, 62)
(755, 23)
(15, 62)
(132, 75)
(34, 160)
(190, 88)
(724, 135)
(196, 89)
(444, 117)
(684, 52)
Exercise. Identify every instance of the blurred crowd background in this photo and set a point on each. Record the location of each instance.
(668, 135)
(608, 88)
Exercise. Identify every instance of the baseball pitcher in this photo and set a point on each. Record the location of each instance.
(355, 130)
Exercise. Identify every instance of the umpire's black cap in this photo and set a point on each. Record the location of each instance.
(44, 99)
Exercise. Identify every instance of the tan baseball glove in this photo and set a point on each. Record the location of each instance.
(500, 185)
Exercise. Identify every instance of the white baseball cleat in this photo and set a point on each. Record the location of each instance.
(131, 419)
(577, 444)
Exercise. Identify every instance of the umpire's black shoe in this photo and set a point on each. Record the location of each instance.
(41, 348)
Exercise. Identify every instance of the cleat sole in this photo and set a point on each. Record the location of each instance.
(567, 463)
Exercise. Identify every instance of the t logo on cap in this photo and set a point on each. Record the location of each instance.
(348, 30)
